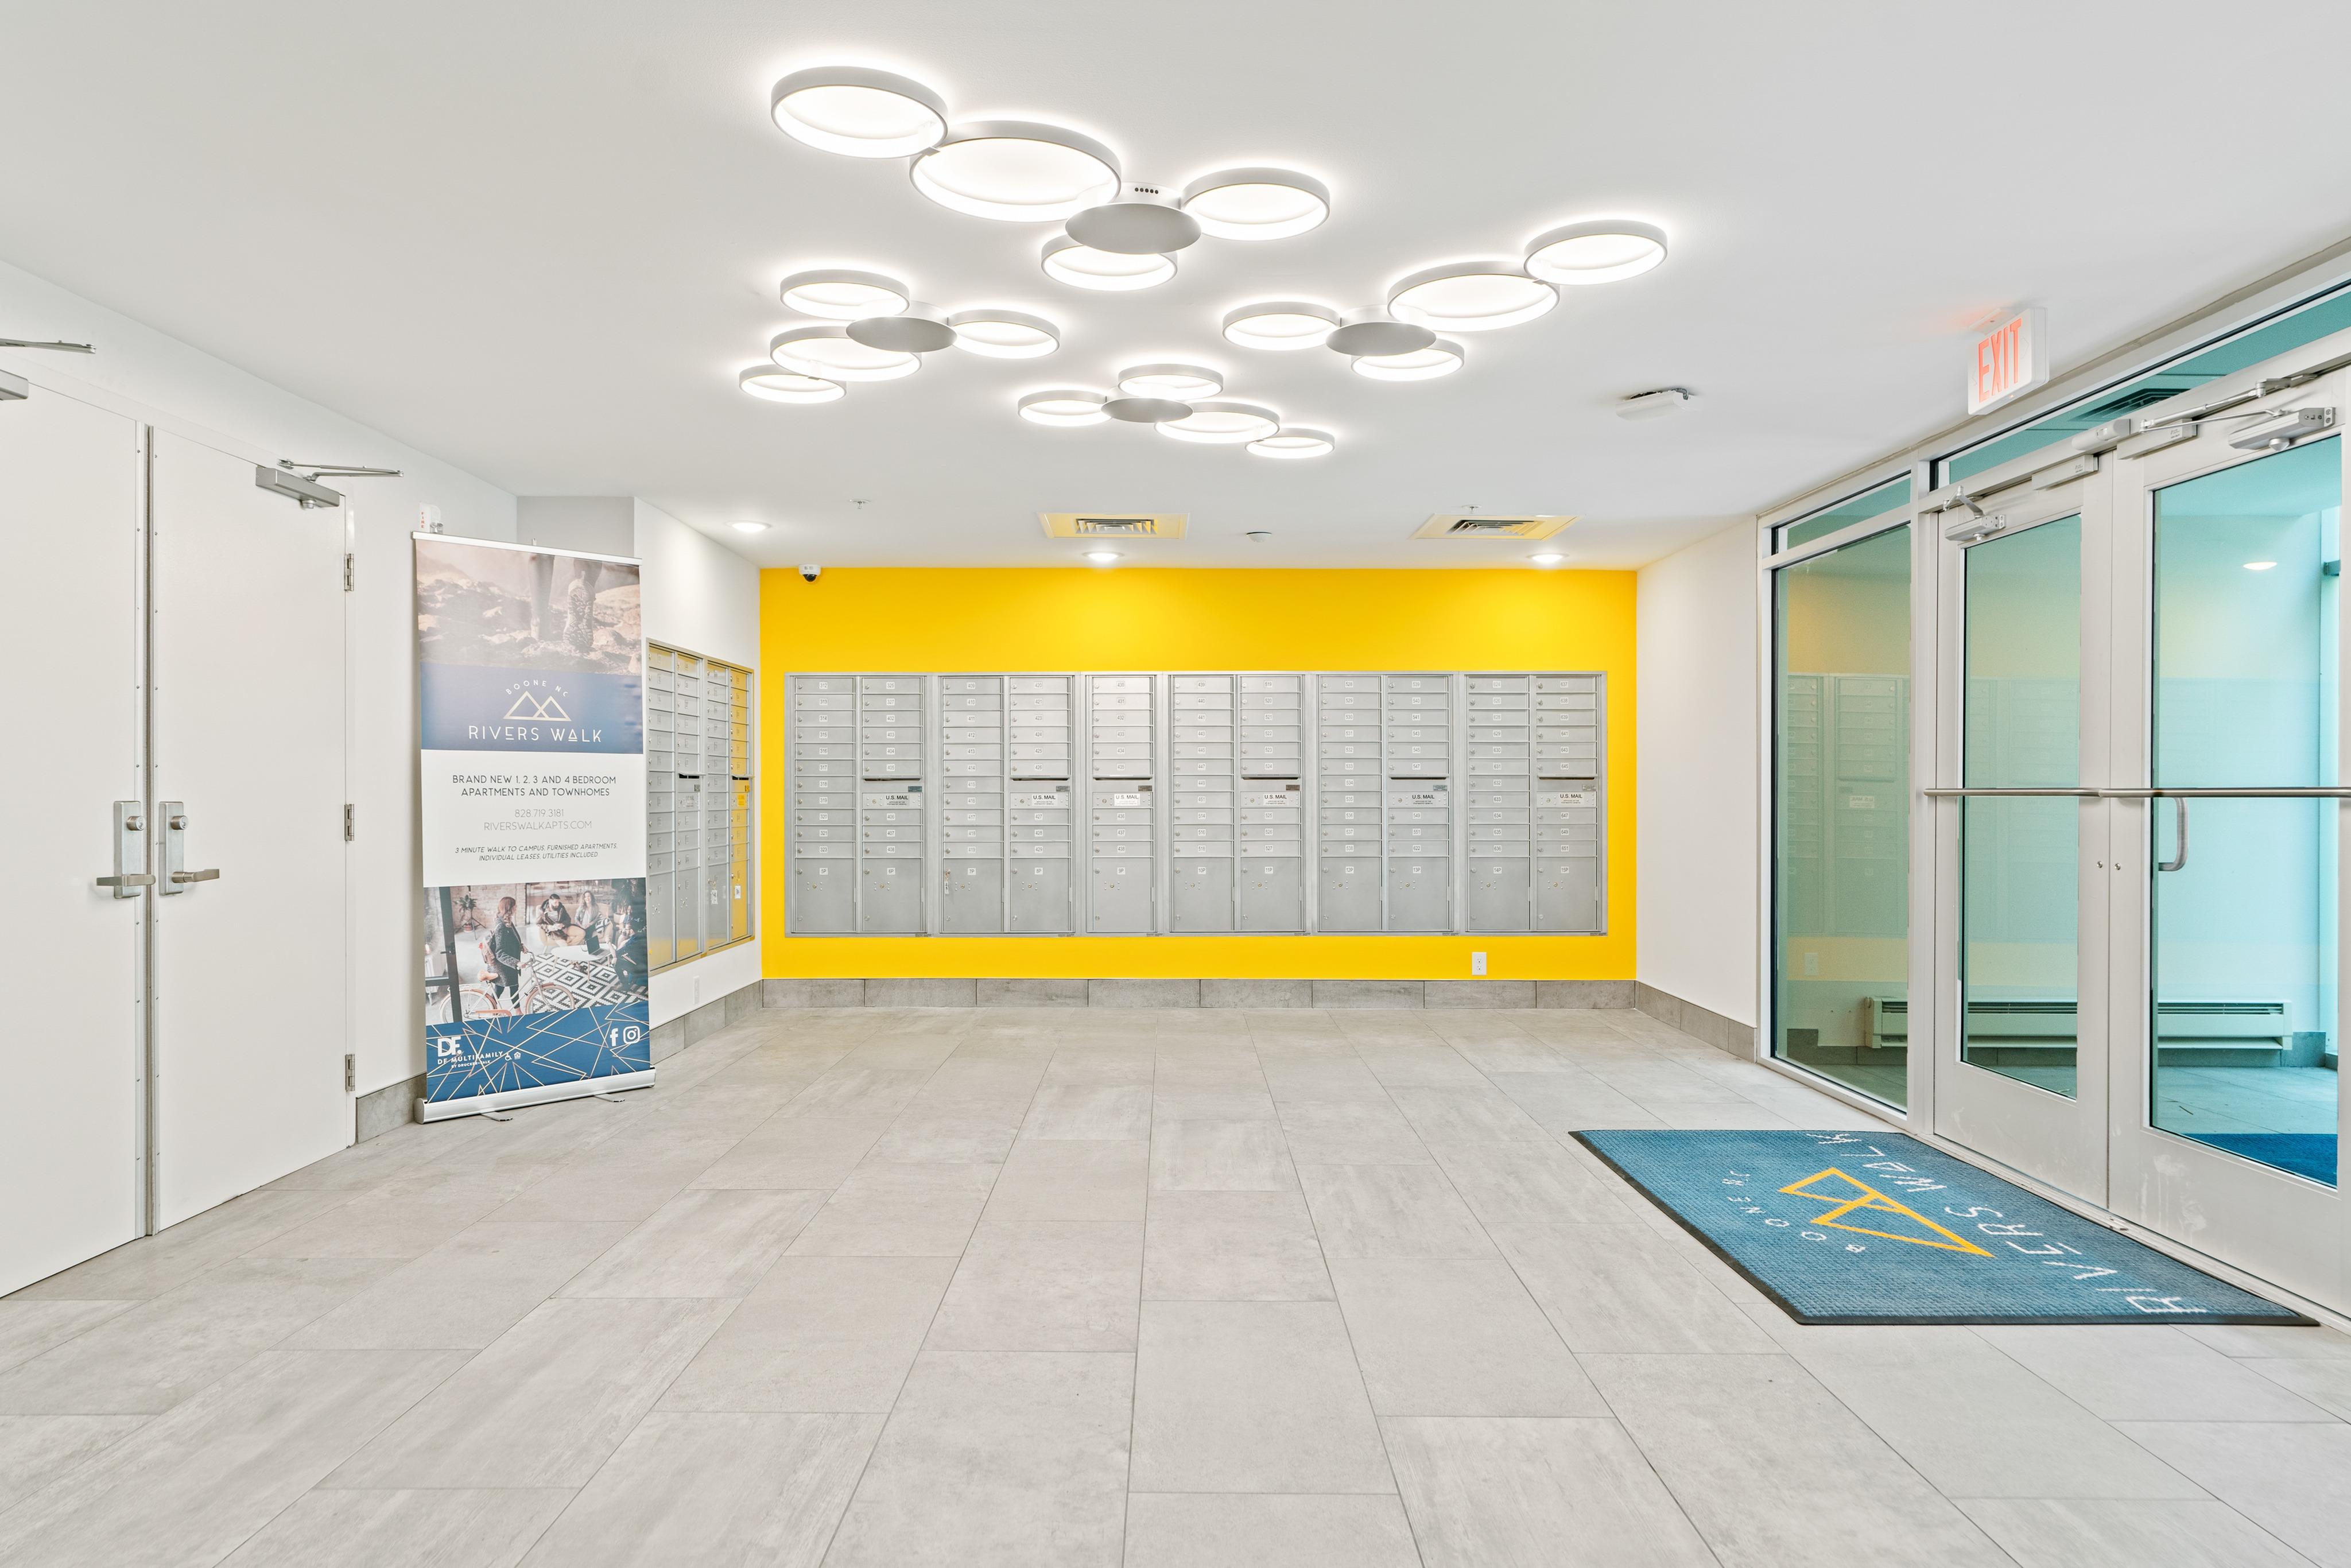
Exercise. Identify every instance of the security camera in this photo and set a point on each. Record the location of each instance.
(811, 573)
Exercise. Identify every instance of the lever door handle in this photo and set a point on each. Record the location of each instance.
(132, 879)
(187, 876)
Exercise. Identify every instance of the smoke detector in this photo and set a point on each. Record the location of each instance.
(1655, 404)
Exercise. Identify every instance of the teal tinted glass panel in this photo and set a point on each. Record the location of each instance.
(1892, 496)
(2246, 653)
(2307, 325)
(2020, 955)
(1840, 814)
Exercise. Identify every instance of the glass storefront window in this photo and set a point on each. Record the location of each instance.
(1891, 496)
(2020, 957)
(2247, 626)
(1841, 680)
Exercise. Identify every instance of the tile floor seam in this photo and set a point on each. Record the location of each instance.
(889, 1416)
(1549, 1323)
(1386, 1458)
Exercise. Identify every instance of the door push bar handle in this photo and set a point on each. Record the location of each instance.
(2178, 860)
(130, 879)
(184, 877)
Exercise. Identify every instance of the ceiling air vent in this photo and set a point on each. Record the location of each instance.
(1113, 524)
(1479, 525)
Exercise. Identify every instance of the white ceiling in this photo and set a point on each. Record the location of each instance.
(539, 240)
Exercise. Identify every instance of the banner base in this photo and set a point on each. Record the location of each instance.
(540, 1095)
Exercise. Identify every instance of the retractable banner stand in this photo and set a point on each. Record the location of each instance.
(531, 699)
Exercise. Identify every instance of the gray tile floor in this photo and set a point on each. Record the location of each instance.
(1175, 1289)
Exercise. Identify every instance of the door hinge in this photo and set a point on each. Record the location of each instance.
(351, 1073)
(347, 573)
(349, 830)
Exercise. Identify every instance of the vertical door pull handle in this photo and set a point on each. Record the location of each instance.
(2180, 858)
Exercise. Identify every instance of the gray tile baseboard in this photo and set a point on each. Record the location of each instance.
(1215, 993)
(1727, 1035)
(378, 1110)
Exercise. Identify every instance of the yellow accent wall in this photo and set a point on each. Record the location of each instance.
(948, 620)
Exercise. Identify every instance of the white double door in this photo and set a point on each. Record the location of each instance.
(175, 642)
(2139, 882)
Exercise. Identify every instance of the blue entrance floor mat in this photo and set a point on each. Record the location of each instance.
(1877, 1227)
(2306, 1154)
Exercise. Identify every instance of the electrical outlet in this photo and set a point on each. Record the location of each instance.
(1477, 963)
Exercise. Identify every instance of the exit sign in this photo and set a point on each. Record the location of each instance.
(2010, 361)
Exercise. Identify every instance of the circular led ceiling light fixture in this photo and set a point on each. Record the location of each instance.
(1368, 332)
(1257, 203)
(1598, 251)
(1471, 295)
(829, 352)
(1063, 406)
(1293, 441)
(863, 113)
(776, 384)
(1017, 171)
(1004, 334)
(1082, 266)
(1141, 222)
(921, 330)
(1224, 423)
(1280, 324)
(1147, 410)
(839, 294)
(1441, 358)
(1185, 383)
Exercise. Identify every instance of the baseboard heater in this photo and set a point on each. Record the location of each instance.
(2048, 1024)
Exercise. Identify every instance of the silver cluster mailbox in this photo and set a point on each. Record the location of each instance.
(1237, 804)
(1005, 747)
(856, 779)
(1208, 802)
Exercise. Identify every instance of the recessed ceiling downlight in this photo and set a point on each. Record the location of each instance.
(750, 527)
(863, 113)
(1280, 324)
(1293, 441)
(1005, 334)
(1108, 271)
(829, 351)
(1471, 297)
(1185, 383)
(1017, 171)
(1257, 203)
(1598, 251)
(1441, 358)
(839, 294)
(1224, 423)
(1063, 406)
(1103, 556)
(776, 384)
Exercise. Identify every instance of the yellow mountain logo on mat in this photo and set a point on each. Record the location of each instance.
(529, 705)
(1866, 1199)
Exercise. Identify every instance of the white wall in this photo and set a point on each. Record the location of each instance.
(169, 383)
(1698, 806)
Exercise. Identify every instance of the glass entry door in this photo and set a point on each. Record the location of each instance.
(2228, 930)
(2021, 1070)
